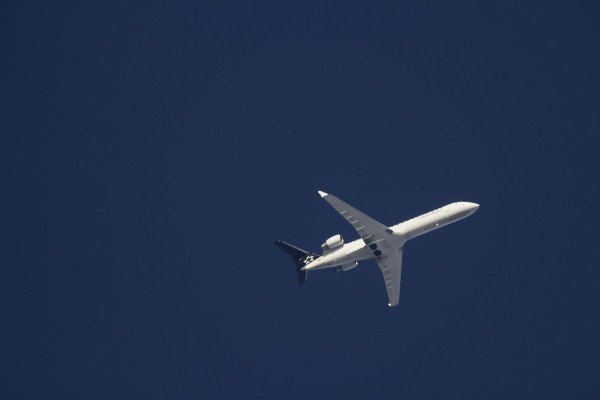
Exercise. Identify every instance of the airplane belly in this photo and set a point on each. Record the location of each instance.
(362, 254)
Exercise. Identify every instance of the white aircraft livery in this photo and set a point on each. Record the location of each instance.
(377, 241)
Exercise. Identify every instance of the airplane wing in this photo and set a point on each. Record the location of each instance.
(374, 233)
(391, 268)
(368, 229)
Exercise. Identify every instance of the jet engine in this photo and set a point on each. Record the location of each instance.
(347, 266)
(333, 243)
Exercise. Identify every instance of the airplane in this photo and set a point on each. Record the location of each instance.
(377, 241)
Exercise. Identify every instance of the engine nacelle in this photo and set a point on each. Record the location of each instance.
(346, 267)
(333, 243)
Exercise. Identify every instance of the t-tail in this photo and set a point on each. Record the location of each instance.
(299, 257)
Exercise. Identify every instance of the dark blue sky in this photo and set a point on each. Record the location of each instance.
(151, 153)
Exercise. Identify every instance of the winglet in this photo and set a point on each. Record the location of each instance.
(323, 194)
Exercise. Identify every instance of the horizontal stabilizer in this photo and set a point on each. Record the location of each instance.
(299, 257)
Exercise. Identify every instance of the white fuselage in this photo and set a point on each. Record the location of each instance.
(350, 253)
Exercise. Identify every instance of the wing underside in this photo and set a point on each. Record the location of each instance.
(376, 235)
(368, 229)
(391, 268)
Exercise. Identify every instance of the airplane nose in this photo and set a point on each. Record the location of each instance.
(473, 206)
